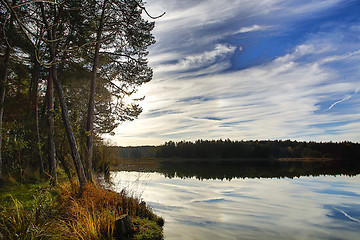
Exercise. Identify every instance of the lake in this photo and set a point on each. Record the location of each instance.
(320, 207)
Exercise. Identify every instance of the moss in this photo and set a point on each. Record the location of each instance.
(147, 229)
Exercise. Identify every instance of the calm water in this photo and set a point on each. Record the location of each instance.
(324, 207)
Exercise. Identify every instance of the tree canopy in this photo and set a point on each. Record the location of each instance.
(89, 53)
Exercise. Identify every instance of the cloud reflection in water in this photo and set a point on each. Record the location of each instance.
(322, 207)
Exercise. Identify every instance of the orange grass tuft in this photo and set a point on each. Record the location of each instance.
(87, 213)
(90, 212)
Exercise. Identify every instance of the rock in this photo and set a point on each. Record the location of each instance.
(123, 227)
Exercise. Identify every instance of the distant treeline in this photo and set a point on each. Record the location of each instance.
(136, 152)
(245, 149)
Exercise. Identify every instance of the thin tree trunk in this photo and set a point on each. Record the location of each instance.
(3, 79)
(34, 102)
(51, 131)
(4, 73)
(41, 161)
(91, 104)
(69, 132)
(50, 103)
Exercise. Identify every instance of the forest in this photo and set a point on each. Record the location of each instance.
(69, 72)
(227, 159)
(224, 149)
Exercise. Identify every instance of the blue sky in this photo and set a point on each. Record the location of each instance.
(246, 70)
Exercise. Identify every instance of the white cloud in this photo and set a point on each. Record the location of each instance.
(252, 29)
(221, 51)
(272, 101)
(340, 57)
(309, 7)
(185, 21)
(340, 101)
(284, 98)
(347, 97)
(205, 59)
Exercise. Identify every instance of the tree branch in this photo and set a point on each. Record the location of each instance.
(42, 1)
(143, 8)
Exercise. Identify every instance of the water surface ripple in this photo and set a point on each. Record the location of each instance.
(323, 207)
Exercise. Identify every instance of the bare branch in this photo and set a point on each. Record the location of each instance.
(143, 8)
(4, 30)
(119, 55)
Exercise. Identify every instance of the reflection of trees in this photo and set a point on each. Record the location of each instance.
(226, 159)
(259, 169)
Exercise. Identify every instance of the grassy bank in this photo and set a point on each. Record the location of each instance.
(36, 211)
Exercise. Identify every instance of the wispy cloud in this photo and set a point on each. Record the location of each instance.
(219, 53)
(200, 60)
(273, 101)
(252, 28)
(347, 97)
(198, 93)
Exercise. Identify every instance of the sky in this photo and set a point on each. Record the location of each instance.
(250, 70)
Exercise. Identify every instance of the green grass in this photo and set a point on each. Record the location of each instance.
(35, 222)
(147, 229)
(24, 193)
(36, 211)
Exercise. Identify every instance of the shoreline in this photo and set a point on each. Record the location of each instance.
(68, 212)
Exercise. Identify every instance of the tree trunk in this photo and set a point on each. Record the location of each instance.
(51, 131)
(91, 104)
(35, 111)
(3, 79)
(69, 132)
(4, 73)
(64, 110)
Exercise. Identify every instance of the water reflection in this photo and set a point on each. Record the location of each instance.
(348, 213)
(324, 207)
(220, 169)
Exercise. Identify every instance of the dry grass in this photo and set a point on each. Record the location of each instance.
(21, 223)
(70, 212)
(90, 213)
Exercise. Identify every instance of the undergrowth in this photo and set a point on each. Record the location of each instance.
(34, 222)
(90, 213)
(71, 212)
